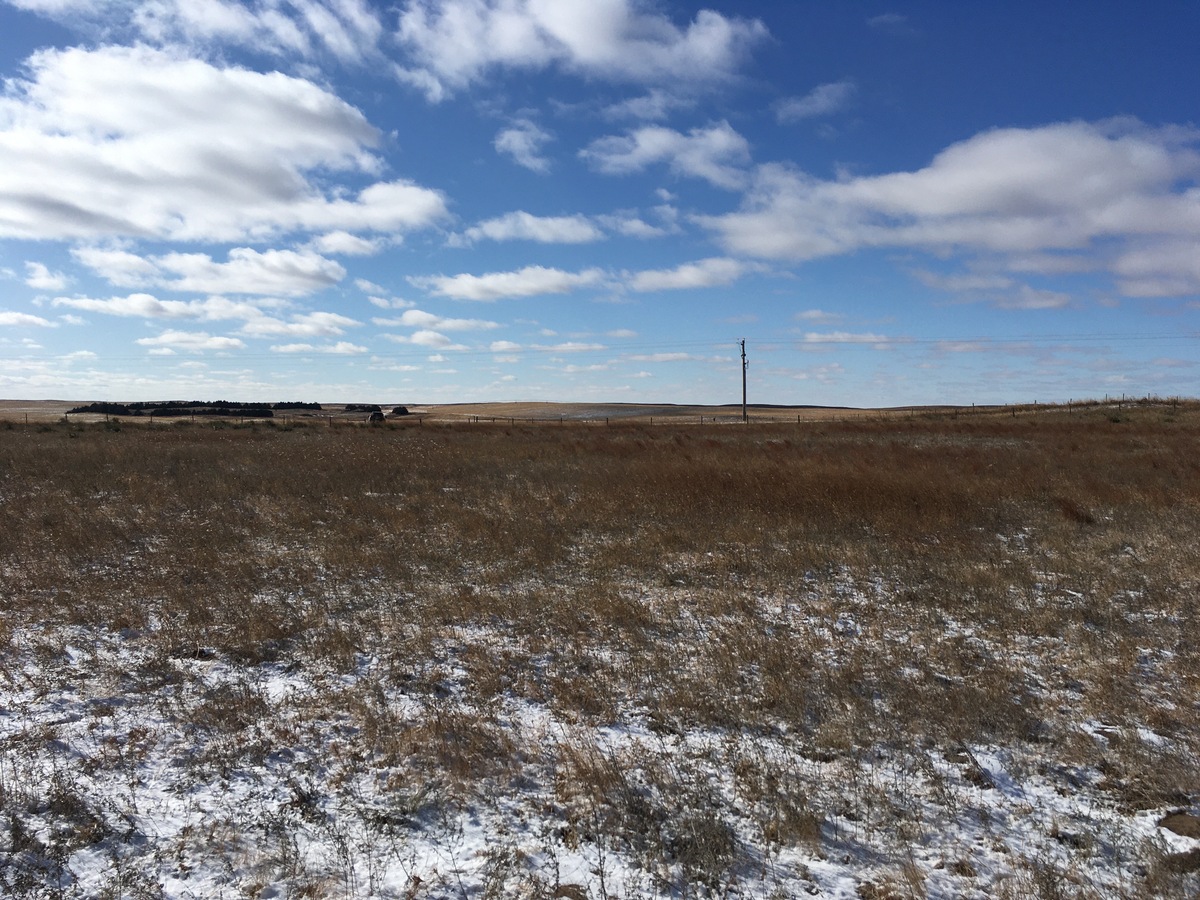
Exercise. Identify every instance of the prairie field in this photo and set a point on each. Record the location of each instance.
(930, 655)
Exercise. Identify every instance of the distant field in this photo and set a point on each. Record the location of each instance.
(903, 654)
(611, 413)
(52, 410)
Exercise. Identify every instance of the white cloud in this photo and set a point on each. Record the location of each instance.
(416, 318)
(521, 225)
(575, 370)
(272, 272)
(1012, 193)
(150, 307)
(704, 273)
(314, 324)
(427, 338)
(193, 341)
(964, 283)
(893, 23)
(523, 142)
(574, 347)
(255, 322)
(453, 43)
(344, 348)
(530, 281)
(632, 226)
(504, 347)
(655, 105)
(662, 357)
(390, 302)
(348, 29)
(818, 316)
(119, 267)
(1026, 297)
(341, 348)
(293, 348)
(1163, 269)
(22, 320)
(40, 278)
(92, 146)
(717, 154)
(343, 243)
(847, 337)
(820, 101)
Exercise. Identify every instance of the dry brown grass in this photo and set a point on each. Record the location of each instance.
(923, 582)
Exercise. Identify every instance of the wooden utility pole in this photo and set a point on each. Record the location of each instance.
(745, 418)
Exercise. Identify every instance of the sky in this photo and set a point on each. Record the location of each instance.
(435, 201)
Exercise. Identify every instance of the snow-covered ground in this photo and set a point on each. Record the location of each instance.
(127, 771)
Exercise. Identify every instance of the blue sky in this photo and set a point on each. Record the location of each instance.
(466, 200)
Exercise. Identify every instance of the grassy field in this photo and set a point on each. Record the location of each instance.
(920, 655)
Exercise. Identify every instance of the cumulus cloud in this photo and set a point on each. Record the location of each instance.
(822, 100)
(705, 273)
(963, 283)
(522, 142)
(416, 318)
(652, 106)
(313, 324)
(662, 357)
(573, 347)
(289, 273)
(717, 154)
(343, 243)
(1026, 297)
(341, 348)
(93, 146)
(634, 227)
(192, 341)
(254, 320)
(818, 316)
(40, 278)
(524, 226)
(530, 281)
(348, 29)
(147, 306)
(1010, 193)
(427, 337)
(847, 337)
(452, 43)
(21, 320)
(1163, 269)
(119, 267)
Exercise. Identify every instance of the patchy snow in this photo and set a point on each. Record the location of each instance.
(127, 773)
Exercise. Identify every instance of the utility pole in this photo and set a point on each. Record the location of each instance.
(745, 418)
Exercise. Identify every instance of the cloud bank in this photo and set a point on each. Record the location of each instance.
(144, 143)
